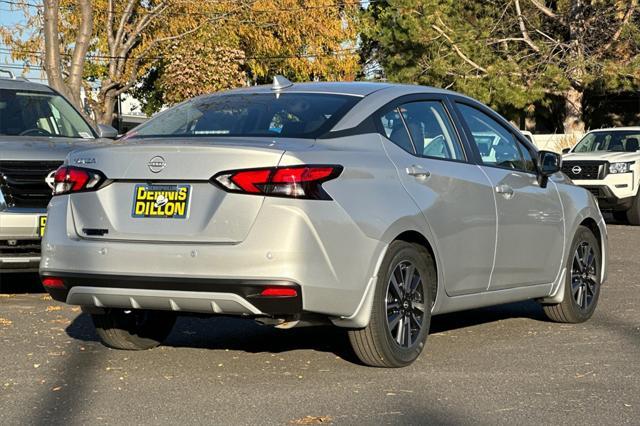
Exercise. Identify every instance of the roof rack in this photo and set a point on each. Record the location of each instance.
(12, 76)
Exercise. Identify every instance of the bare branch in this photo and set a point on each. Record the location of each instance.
(126, 15)
(544, 9)
(625, 20)
(110, 38)
(523, 28)
(458, 51)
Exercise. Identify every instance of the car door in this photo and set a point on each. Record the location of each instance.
(530, 217)
(455, 196)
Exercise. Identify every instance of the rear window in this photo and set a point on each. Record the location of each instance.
(293, 115)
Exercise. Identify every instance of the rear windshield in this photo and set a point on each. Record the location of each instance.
(29, 114)
(294, 115)
(612, 141)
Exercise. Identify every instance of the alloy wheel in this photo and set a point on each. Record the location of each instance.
(405, 304)
(584, 276)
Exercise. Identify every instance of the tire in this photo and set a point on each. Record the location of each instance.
(377, 344)
(633, 214)
(620, 217)
(582, 285)
(133, 329)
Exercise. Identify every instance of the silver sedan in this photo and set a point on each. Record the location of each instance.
(369, 206)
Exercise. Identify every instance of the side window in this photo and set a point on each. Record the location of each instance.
(431, 130)
(395, 130)
(497, 145)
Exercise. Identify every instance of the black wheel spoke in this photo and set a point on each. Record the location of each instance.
(584, 279)
(396, 286)
(405, 305)
(393, 322)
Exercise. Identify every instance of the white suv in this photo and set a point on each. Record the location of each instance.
(606, 163)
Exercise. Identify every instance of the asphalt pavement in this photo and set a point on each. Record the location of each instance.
(500, 365)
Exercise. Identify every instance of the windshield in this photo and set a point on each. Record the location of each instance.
(295, 115)
(24, 113)
(613, 141)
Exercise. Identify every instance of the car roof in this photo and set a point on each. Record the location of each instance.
(19, 83)
(352, 88)
(616, 129)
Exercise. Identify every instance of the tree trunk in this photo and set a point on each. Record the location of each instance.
(106, 115)
(573, 111)
(52, 60)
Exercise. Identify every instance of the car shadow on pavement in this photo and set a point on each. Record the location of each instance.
(11, 283)
(448, 322)
(225, 333)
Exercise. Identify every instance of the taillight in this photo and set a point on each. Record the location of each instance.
(294, 181)
(68, 179)
(279, 292)
(52, 282)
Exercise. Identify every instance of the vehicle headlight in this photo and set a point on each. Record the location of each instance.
(620, 167)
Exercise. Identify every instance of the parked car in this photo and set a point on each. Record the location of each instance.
(38, 128)
(302, 204)
(606, 162)
(527, 134)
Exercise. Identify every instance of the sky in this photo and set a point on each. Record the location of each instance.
(9, 18)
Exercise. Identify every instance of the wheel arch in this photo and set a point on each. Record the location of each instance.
(362, 315)
(416, 237)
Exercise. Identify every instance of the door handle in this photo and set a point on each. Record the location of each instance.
(505, 190)
(418, 172)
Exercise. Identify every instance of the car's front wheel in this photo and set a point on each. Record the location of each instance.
(582, 285)
(401, 311)
(133, 329)
(633, 214)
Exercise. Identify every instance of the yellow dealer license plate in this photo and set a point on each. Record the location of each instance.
(163, 201)
(42, 224)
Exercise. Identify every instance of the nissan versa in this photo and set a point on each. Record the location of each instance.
(366, 205)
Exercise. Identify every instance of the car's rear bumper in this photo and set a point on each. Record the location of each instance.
(321, 250)
(201, 295)
(20, 240)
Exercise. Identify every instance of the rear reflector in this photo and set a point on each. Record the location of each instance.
(52, 282)
(303, 181)
(279, 292)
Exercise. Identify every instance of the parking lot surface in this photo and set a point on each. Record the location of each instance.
(499, 365)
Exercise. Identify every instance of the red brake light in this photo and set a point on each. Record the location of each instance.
(294, 181)
(247, 180)
(301, 174)
(69, 179)
(279, 292)
(52, 282)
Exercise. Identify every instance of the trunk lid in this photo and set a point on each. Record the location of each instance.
(144, 172)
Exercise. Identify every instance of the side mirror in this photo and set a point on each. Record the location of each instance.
(548, 164)
(107, 132)
(566, 150)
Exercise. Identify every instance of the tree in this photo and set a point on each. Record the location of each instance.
(303, 40)
(509, 53)
(113, 46)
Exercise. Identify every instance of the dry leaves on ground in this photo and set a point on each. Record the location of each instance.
(312, 420)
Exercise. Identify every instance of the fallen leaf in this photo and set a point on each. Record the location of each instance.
(53, 308)
(4, 321)
(311, 420)
(56, 389)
